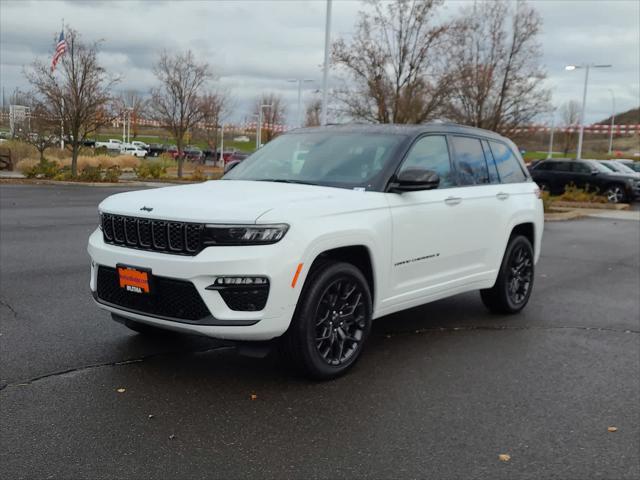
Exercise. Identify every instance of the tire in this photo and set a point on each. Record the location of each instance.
(514, 284)
(331, 323)
(142, 328)
(615, 193)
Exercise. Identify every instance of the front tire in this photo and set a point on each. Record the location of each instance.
(514, 284)
(615, 194)
(331, 323)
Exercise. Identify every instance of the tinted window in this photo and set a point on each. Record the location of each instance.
(493, 171)
(581, 168)
(471, 167)
(431, 153)
(508, 165)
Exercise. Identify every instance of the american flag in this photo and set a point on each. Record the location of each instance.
(60, 49)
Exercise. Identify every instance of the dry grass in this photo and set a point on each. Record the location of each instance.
(125, 162)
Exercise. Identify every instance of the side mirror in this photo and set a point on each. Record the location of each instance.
(415, 179)
(231, 165)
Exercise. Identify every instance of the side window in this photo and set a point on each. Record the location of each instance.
(581, 168)
(508, 165)
(431, 153)
(471, 167)
(493, 170)
(562, 167)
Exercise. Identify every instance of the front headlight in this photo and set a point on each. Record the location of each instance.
(222, 235)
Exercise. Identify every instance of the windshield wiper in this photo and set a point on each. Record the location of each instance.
(286, 180)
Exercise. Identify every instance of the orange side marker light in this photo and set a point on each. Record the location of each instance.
(296, 275)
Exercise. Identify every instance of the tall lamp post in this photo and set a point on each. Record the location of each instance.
(300, 81)
(613, 117)
(259, 132)
(325, 68)
(586, 67)
(553, 126)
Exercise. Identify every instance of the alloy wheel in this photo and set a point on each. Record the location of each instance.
(340, 321)
(520, 275)
(615, 194)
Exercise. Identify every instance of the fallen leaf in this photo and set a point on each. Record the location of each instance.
(504, 457)
(254, 396)
(121, 390)
(612, 429)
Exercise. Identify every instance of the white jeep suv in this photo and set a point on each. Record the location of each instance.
(320, 232)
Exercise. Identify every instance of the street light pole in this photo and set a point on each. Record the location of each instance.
(553, 126)
(259, 132)
(325, 70)
(584, 100)
(300, 81)
(613, 116)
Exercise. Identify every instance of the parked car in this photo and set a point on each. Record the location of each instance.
(134, 151)
(555, 175)
(157, 149)
(172, 150)
(111, 144)
(619, 167)
(193, 153)
(378, 219)
(632, 164)
(142, 145)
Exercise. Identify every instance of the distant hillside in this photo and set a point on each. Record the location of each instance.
(629, 117)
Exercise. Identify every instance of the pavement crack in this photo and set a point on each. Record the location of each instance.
(9, 307)
(505, 327)
(119, 363)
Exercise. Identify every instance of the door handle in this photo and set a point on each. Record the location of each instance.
(452, 200)
(502, 196)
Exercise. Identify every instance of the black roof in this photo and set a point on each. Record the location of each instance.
(398, 129)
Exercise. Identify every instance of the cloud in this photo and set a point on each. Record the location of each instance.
(256, 46)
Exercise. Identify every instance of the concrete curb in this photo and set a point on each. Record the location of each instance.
(563, 216)
(599, 206)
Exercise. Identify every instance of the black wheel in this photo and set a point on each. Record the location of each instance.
(513, 286)
(331, 323)
(141, 328)
(615, 193)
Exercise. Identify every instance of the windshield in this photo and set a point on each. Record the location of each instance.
(345, 160)
(598, 166)
(623, 168)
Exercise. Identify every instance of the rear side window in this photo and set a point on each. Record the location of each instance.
(508, 165)
(581, 168)
(471, 166)
(431, 153)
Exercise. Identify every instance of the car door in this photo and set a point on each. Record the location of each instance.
(484, 206)
(582, 176)
(430, 232)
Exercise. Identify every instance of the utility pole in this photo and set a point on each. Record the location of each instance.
(553, 126)
(584, 100)
(300, 81)
(325, 70)
(613, 116)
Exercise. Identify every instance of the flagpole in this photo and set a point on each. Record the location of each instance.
(62, 109)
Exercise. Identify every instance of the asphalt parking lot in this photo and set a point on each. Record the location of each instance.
(441, 391)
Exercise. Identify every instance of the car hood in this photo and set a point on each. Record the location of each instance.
(219, 201)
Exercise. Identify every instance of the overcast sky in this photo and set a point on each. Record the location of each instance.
(255, 46)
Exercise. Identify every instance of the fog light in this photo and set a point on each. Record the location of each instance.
(225, 282)
(247, 294)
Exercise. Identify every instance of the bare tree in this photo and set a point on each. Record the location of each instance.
(394, 63)
(570, 113)
(494, 57)
(42, 131)
(132, 103)
(313, 110)
(176, 103)
(273, 115)
(215, 106)
(78, 92)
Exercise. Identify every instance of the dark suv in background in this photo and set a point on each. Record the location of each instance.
(554, 175)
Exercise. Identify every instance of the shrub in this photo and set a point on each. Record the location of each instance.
(26, 166)
(150, 169)
(575, 194)
(90, 174)
(20, 150)
(31, 168)
(112, 174)
(546, 200)
(198, 175)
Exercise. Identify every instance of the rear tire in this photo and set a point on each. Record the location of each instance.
(331, 323)
(514, 284)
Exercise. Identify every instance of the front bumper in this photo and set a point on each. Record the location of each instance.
(276, 262)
